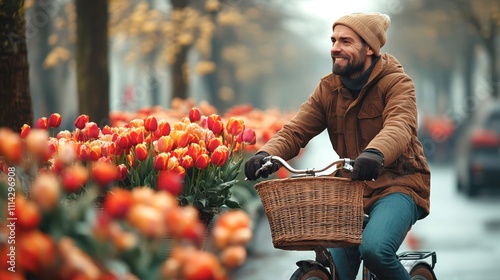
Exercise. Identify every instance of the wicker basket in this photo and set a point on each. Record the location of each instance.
(307, 212)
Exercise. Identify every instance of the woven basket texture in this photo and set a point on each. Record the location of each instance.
(307, 212)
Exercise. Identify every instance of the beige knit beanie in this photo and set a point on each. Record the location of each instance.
(372, 27)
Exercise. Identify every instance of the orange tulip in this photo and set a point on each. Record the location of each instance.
(25, 130)
(136, 136)
(54, 120)
(151, 124)
(136, 123)
(235, 126)
(45, 191)
(194, 150)
(123, 141)
(180, 138)
(172, 163)
(187, 162)
(219, 156)
(217, 128)
(194, 114)
(141, 152)
(64, 135)
(81, 121)
(103, 173)
(36, 251)
(11, 145)
(95, 152)
(27, 214)
(37, 143)
(163, 129)
(202, 161)
(164, 144)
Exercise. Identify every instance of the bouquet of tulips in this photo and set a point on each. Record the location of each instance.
(154, 177)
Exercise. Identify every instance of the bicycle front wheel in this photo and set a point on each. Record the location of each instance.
(313, 272)
(422, 272)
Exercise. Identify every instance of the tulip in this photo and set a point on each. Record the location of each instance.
(147, 220)
(74, 177)
(214, 143)
(136, 136)
(36, 252)
(235, 126)
(247, 136)
(150, 124)
(45, 191)
(122, 172)
(123, 141)
(187, 162)
(25, 130)
(180, 138)
(91, 130)
(11, 145)
(41, 123)
(219, 156)
(163, 129)
(141, 152)
(65, 134)
(54, 120)
(194, 150)
(83, 152)
(37, 143)
(217, 128)
(81, 121)
(161, 161)
(103, 173)
(117, 202)
(172, 163)
(95, 152)
(169, 181)
(109, 149)
(179, 152)
(194, 114)
(136, 123)
(212, 119)
(202, 161)
(107, 130)
(164, 144)
(27, 214)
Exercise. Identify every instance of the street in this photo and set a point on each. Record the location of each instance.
(464, 232)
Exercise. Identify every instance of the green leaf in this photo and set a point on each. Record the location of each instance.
(232, 204)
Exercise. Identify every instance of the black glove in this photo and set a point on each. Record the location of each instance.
(367, 165)
(254, 163)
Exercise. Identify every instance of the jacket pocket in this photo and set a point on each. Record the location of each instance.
(370, 121)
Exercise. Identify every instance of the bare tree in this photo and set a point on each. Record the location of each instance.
(15, 98)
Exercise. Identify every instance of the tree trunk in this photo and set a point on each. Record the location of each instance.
(15, 97)
(92, 60)
(179, 72)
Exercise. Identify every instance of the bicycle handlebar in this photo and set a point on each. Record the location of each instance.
(268, 162)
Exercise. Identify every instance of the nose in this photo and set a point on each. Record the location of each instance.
(335, 48)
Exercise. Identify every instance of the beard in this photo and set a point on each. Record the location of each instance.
(353, 68)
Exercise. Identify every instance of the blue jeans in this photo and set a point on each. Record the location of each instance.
(391, 218)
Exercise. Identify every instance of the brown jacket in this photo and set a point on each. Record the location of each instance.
(383, 117)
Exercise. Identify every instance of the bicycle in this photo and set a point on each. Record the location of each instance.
(290, 203)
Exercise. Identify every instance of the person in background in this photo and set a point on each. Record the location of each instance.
(368, 106)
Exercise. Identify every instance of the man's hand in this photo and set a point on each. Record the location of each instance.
(256, 162)
(367, 165)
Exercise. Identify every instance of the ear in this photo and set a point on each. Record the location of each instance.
(369, 50)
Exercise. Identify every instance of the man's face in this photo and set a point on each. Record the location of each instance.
(349, 52)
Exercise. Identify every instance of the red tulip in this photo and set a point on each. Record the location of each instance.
(170, 181)
(180, 138)
(194, 114)
(123, 141)
(247, 136)
(235, 126)
(95, 152)
(54, 120)
(141, 152)
(136, 136)
(214, 143)
(25, 130)
(161, 161)
(81, 121)
(202, 161)
(74, 177)
(91, 130)
(117, 202)
(122, 172)
(83, 152)
(163, 129)
(41, 123)
(11, 145)
(219, 156)
(150, 124)
(194, 150)
(187, 162)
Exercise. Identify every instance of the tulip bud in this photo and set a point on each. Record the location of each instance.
(141, 152)
(194, 114)
(161, 161)
(117, 202)
(219, 156)
(150, 124)
(164, 144)
(45, 191)
(235, 126)
(91, 130)
(25, 130)
(81, 121)
(122, 172)
(247, 136)
(202, 161)
(74, 177)
(54, 120)
(11, 145)
(41, 123)
(103, 173)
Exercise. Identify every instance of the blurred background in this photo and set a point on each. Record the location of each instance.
(99, 57)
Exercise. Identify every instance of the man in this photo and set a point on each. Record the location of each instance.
(368, 107)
